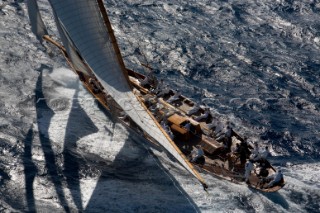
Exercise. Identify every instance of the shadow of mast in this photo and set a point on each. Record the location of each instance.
(44, 116)
(30, 170)
(79, 125)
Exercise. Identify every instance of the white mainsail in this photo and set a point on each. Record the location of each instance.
(84, 26)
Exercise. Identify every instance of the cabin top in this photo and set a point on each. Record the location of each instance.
(179, 120)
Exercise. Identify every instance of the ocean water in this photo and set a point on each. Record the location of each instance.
(254, 63)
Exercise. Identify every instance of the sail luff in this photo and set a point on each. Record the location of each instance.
(37, 25)
(113, 38)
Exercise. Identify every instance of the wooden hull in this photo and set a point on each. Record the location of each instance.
(218, 162)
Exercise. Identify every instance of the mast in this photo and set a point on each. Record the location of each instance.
(113, 38)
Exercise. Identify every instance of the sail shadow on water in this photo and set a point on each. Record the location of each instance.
(136, 181)
(44, 116)
(30, 170)
(72, 162)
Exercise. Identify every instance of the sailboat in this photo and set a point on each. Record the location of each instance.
(163, 117)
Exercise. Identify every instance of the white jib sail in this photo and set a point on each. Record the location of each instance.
(77, 61)
(84, 23)
(37, 25)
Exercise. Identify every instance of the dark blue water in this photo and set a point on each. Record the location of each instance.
(254, 63)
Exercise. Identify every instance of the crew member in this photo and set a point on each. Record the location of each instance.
(197, 155)
(275, 178)
(187, 126)
(193, 110)
(228, 138)
(175, 97)
(204, 115)
(148, 80)
(255, 152)
(95, 87)
(160, 87)
(248, 169)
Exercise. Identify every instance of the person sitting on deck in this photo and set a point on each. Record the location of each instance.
(175, 97)
(169, 132)
(236, 152)
(246, 146)
(263, 155)
(204, 115)
(212, 125)
(275, 178)
(148, 80)
(219, 130)
(228, 137)
(263, 169)
(240, 152)
(154, 108)
(197, 155)
(162, 90)
(166, 128)
(164, 123)
(187, 126)
(95, 87)
(248, 169)
(159, 87)
(193, 110)
(225, 137)
(255, 152)
(122, 115)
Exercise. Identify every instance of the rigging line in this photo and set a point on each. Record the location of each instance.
(144, 56)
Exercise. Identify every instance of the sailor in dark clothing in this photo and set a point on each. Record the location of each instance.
(148, 80)
(263, 169)
(159, 87)
(197, 155)
(246, 147)
(227, 140)
(243, 154)
(95, 86)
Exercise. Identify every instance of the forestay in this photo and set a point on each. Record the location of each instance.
(83, 22)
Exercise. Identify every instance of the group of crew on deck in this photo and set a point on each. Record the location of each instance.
(251, 157)
(258, 162)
